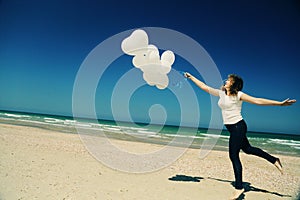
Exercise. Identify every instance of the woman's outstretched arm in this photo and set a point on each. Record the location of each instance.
(266, 102)
(202, 85)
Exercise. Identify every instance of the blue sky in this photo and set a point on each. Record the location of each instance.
(44, 43)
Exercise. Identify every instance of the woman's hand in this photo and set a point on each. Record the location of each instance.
(187, 75)
(288, 102)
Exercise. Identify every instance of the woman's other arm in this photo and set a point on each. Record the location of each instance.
(266, 102)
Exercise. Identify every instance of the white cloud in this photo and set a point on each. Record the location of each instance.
(146, 57)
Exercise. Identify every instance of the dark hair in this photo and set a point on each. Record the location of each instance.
(237, 84)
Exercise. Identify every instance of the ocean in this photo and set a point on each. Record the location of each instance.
(274, 143)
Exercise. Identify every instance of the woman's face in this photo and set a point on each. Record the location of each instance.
(228, 83)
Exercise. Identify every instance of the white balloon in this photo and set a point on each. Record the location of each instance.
(163, 82)
(153, 54)
(152, 47)
(149, 55)
(153, 75)
(136, 42)
(168, 57)
(146, 57)
(139, 59)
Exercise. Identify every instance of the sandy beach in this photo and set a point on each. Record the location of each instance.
(37, 163)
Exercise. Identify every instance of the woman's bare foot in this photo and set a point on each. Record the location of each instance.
(278, 165)
(237, 193)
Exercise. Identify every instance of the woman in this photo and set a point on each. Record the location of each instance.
(230, 102)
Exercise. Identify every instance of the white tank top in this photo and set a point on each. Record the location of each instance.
(231, 107)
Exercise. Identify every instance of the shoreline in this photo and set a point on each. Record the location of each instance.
(70, 117)
(37, 163)
(163, 140)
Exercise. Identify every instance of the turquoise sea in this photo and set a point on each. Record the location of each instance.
(271, 142)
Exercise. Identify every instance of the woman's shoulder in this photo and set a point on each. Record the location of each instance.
(239, 94)
(220, 91)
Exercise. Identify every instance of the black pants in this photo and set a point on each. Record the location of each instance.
(237, 141)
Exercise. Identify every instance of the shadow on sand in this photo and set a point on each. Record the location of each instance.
(185, 178)
(247, 186)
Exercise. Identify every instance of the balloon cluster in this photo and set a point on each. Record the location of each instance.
(146, 57)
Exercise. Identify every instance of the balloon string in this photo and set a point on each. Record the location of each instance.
(179, 83)
(182, 73)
